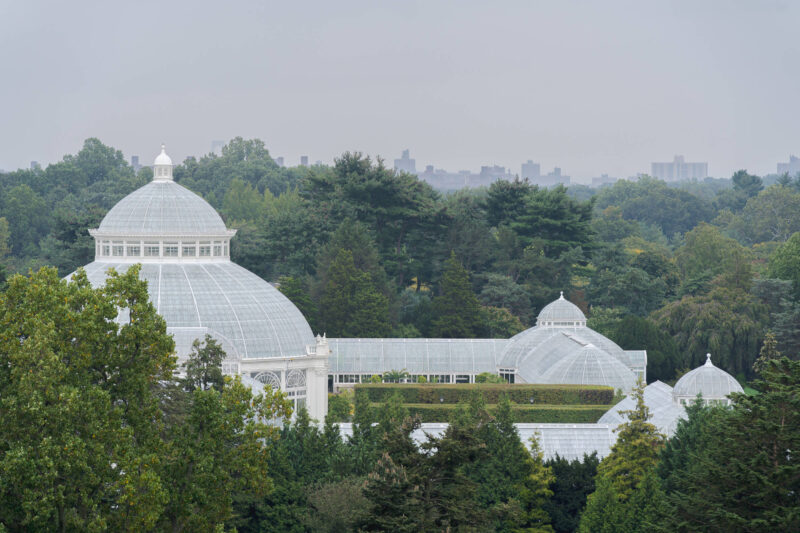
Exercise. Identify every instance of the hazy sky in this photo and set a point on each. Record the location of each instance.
(593, 87)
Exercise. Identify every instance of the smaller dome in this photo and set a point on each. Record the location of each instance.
(589, 365)
(163, 158)
(561, 313)
(711, 382)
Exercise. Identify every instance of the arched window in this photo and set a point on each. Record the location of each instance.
(269, 378)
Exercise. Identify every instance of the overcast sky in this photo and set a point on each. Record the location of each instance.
(592, 87)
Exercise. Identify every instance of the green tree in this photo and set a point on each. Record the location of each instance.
(351, 305)
(499, 323)
(561, 222)
(744, 477)
(27, 217)
(636, 450)
(79, 442)
(336, 506)
(456, 307)
(296, 291)
(624, 482)
(218, 451)
(204, 366)
(709, 253)
(663, 358)
(785, 263)
(770, 216)
(728, 322)
(574, 481)
(242, 202)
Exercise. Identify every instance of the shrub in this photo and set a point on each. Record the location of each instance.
(564, 414)
(429, 393)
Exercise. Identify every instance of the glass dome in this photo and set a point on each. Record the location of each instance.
(664, 414)
(561, 312)
(191, 281)
(712, 383)
(162, 208)
(566, 360)
(526, 344)
(248, 315)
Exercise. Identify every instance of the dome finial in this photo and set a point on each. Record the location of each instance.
(708, 360)
(162, 166)
(562, 296)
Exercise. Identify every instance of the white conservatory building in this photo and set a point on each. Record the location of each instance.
(184, 249)
(560, 349)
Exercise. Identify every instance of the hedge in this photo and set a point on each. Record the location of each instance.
(431, 393)
(566, 414)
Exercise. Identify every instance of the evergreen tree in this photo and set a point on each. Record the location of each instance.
(574, 481)
(295, 290)
(204, 365)
(744, 476)
(616, 500)
(769, 351)
(456, 308)
(351, 305)
(636, 450)
(636, 333)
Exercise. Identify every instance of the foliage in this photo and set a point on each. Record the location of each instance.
(625, 484)
(551, 414)
(457, 311)
(79, 442)
(488, 377)
(574, 481)
(296, 291)
(204, 366)
(491, 393)
(351, 305)
(785, 263)
(663, 358)
(499, 323)
(636, 450)
(743, 476)
(727, 322)
(340, 407)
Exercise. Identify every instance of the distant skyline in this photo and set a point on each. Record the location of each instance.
(591, 87)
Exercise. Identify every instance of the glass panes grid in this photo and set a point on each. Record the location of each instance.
(253, 318)
(162, 208)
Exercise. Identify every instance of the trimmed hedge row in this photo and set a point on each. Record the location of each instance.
(431, 393)
(566, 414)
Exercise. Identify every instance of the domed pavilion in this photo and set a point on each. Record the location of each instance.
(562, 349)
(713, 384)
(184, 249)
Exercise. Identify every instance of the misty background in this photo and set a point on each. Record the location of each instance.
(593, 87)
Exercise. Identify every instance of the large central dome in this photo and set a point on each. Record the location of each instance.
(162, 208)
(183, 246)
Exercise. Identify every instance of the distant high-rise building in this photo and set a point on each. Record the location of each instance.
(603, 179)
(678, 170)
(405, 164)
(35, 165)
(216, 147)
(135, 163)
(792, 167)
(493, 173)
(530, 171)
(279, 161)
(303, 160)
(553, 178)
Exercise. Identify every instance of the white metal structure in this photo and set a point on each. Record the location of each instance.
(712, 383)
(184, 249)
